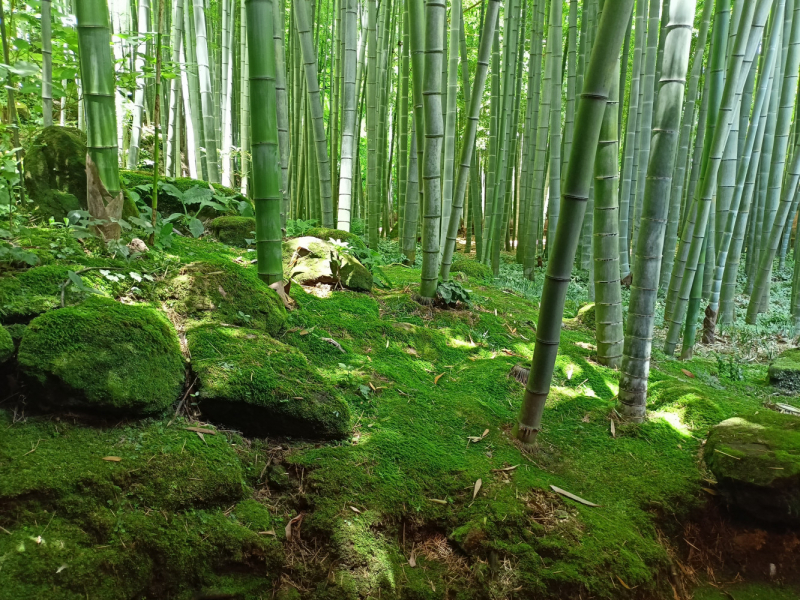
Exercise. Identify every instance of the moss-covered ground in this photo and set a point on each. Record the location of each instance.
(426, 496)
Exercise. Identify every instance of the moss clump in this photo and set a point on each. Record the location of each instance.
(325, 233)
(756, 460)
(784, 371)
(104, 355)
(55, 171)
(307, 260)
(223, 292)
(471, 268)
(233, 231)
(262, 386)
(6, 345)
(32, 292)
(586, 315)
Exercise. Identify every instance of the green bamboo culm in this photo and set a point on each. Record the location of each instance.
(373, 176)
(349, 113)
(647, 266)
(206, 92)
(605, 236)
(435, 15)
(309, 57)
(450, 122)
(266, 177)
(98, 86)
(47, 66)
(576, 184)
(468, 140)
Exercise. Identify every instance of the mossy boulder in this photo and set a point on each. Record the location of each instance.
(104, 356)
(55, 171)
(224, 292)
(29, 293)
(6, 345)
(307, 260)
(784, 371)
(326, 233)
(756, 461)
(471, 268)
(261, 386)
(233, 231)
(586, 315)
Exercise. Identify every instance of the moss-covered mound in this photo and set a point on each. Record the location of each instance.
(224, 292)
(6, 345)
(55, 171)
(756, 461)
(146, 510)
(586, 315)
(233, 231)
(29, 293)
(307, 260)
(325, 233)
(263, 387)
(471, 268)
(784, 371)
(104, 356)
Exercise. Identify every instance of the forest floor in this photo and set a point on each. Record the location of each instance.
(428, 496)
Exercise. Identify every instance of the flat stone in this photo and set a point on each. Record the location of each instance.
(307, 260)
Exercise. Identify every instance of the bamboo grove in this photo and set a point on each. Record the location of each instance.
(650, 143)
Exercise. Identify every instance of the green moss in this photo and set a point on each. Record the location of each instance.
(325, 234)
(223, 292)
(693, 405)
(262, 386)
(29, 293)
(784, 371)
(104, 355)
(307, 260)
(55, 172)
(586, 316)
(6, 345)
(233, 231)
(748, 591)
(472, 268)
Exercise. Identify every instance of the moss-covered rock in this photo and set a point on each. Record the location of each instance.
(6, 345)
(233, 231)
(262, 386)
(471, 268)
(307, 260)
(55, 171)
(784, 371)
(586, 315)
(104, 356)
(29, 293)
(224, 292)
(325, 233)
(756, 461)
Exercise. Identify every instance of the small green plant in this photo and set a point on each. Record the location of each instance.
(451, 293)
(730, 367)
(299, 227)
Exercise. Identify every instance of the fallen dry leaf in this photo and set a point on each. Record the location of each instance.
(437, 501)
(687, 373)
(412, 562)
(355, 510)
(505, 469)
(477, 488)
(200, 435)
(307, 331)
(571, 496)
(613, 429)
(270, 532)
(112, 458)
(298, 519)
(202, 430)
(625, 585)
(437, 378)
(709, 491)
(333, 342)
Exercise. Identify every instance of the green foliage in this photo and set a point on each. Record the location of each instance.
(451, 293)
(6, 345)
(299, 227)
(105, 355)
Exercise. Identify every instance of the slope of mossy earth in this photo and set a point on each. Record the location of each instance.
(426, 496)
